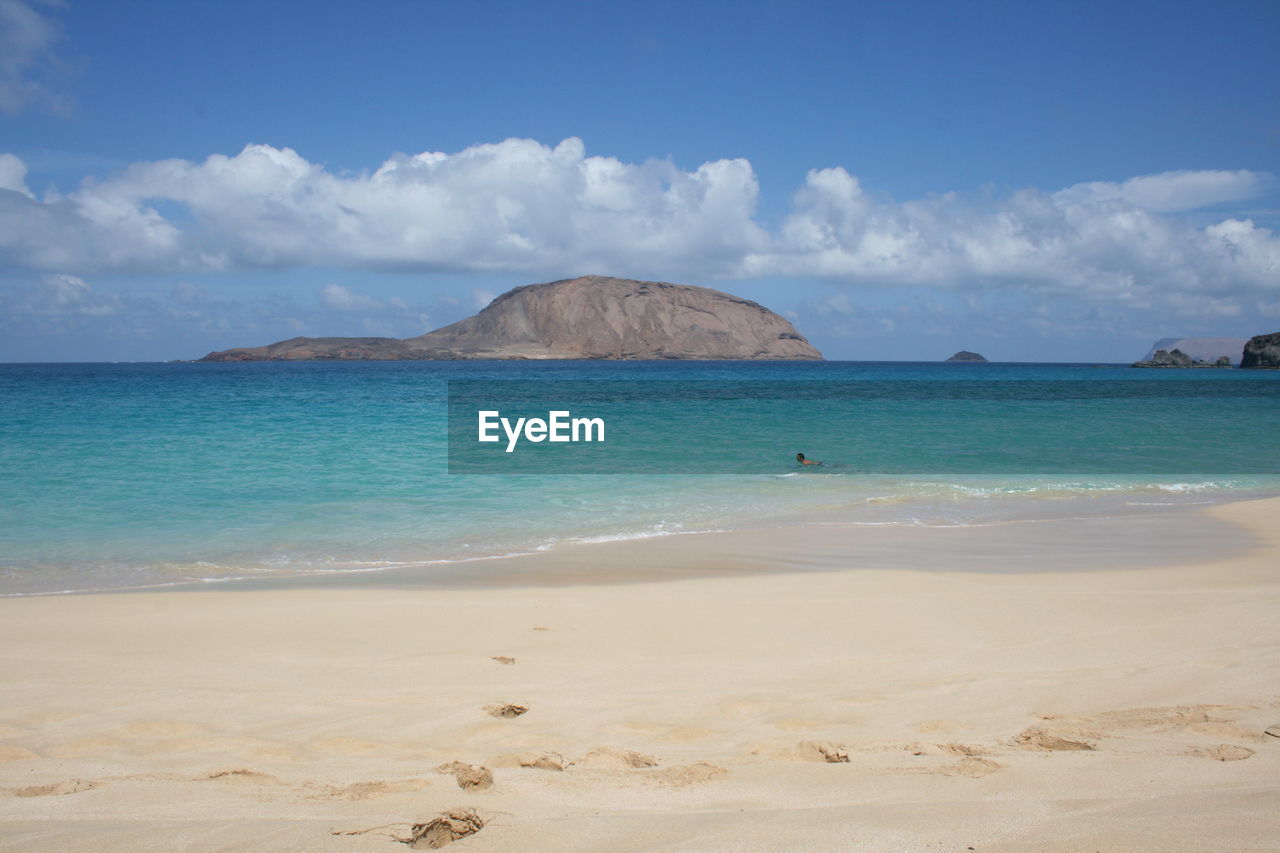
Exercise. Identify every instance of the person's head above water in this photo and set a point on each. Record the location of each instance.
(799, 457)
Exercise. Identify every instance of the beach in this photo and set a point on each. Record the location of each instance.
(699, 692)
(552, 428)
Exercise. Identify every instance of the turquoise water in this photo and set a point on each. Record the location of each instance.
(136, 475)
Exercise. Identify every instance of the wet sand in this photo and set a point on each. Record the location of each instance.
(1080, 685)
(821, 543)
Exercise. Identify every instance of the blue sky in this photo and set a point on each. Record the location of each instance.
(1062, 182)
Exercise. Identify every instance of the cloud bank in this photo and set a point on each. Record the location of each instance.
(60, 310)
(1108, 242)
(520, 206)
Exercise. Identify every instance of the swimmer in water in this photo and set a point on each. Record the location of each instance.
(800, 458)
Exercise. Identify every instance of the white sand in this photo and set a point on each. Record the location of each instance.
(332, 707)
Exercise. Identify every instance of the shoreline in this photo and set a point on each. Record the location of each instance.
(1130, 541)
(1173, 532)
(693, 714)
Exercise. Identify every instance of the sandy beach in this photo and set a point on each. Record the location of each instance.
(1068, 694)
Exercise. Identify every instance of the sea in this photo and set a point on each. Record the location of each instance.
(163, 475)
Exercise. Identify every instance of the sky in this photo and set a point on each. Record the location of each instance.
(901, 180)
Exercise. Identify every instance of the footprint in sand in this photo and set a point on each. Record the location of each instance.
(1224, 752)
(1213, 721)
(368, 790)
(805, 750)
(972, 763)
(444, 829)
(1042, 740)
(503, 659)
(1195, 718)
(531, 760)
(971, 767)
(447, 828)
(470, 777)
(814, 750)
(67, 786)
(1274, 731)
(1173, 717)
(613, 758)
(239, 775)
(506, 711)
(962, 749)
(688, 774)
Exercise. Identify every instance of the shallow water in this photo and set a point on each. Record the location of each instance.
(127, 476)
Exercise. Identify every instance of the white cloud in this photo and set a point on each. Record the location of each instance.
(1171, 191)
(512, 206)
(393, 317)
(13, 175)
(65, 296)
(519, 206)
(1060, 244)
(29, 65)
(339, 297)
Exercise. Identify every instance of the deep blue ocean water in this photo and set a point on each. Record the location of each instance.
(136, 475)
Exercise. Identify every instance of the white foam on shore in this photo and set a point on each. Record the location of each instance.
(912, 504)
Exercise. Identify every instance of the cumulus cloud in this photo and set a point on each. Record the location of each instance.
(512, 206)
(1091, 244)
(519, 206)
(29, 64)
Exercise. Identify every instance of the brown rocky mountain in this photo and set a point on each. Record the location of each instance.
(588, 317)
(1262, 351)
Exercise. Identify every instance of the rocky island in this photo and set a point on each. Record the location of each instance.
(591, 317)
(971, 357)
(1178, 358)
(1262, 352)
(1204, 349)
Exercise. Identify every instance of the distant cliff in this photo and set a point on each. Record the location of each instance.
(1205, 349)
(1178, 358)
(592, 317)
(965, 355)
(1262, 351)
